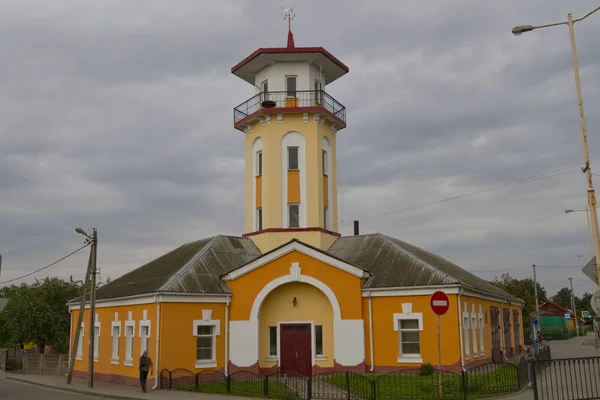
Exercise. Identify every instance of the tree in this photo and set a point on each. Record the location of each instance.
(38, 313)
(523, 289)
(563, 298)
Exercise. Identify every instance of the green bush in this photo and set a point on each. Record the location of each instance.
(426, 369)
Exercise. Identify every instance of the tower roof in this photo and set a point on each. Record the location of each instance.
(265, 56)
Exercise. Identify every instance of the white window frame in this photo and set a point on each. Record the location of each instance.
(144, 340)
(481, 338)
(273, 357)
(297, 158)
(216, 324)
(79, 355)
(408, 315)
(319, 356)
(259, 163)
(129, 343)
(290, 215)
(467, 341)
(96, 340)
(115, 349)
(474, 329)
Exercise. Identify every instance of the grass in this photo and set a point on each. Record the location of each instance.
(499, 381)
(251, 388)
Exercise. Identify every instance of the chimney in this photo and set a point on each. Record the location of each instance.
(356, 228)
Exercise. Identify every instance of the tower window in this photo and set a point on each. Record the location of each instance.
(259, 163)
(264, 86)
(324, 160)
(259, 219)
(293, 158)
(290, 85)
(325, 217)
(293, 215)
(319, 340)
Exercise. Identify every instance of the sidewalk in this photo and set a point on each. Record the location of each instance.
(111, 390)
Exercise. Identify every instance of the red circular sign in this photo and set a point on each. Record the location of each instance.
(439, 303)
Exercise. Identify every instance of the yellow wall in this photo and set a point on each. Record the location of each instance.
(266, 241)
(105, 317)
(386, 344)
(312, 305)
(177, 334)
(346, 287)
(259, 191)
(271, 134)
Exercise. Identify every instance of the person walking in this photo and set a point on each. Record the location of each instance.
(145, 367)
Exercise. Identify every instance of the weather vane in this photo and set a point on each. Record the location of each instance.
(289, 15)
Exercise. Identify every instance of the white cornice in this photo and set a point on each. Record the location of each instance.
(153, 298)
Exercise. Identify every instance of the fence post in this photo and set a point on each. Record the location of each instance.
(309, 389)
(348, 385)
(170, 376)
(464, 379)
(228, 383)
(42, 359)
(533, 376)
(374, 389)
(266, 386)
(196, 380)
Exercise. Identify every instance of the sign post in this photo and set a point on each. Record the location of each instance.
(439, 304)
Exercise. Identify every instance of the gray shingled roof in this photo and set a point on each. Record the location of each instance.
(195, 267)
(395, 263)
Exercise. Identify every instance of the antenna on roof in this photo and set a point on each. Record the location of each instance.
(289, 15)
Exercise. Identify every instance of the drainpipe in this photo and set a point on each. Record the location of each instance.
(460, 330)
(227, 337)
(371, 333)
(157, 371)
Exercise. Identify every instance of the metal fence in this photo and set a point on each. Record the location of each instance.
(566, 379)
(482, 381)
(13, 360)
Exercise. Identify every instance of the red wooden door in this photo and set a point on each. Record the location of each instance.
(296, 349)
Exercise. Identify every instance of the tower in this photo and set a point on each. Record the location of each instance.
(290, 127)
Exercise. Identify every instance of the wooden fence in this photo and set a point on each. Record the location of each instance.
(3, 360)
(46, 364)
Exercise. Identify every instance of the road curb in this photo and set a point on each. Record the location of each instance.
(68, 389)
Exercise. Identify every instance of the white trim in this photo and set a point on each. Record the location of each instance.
(144, 323)
(96, 340)
(216, 324)
(295, 276)
(411, 358)
(257, 146)
(325, 145)
(481, 333)
(429, 290)
(150, 299)
(466, 317)
(79, 355)
(293, 139)
(288, 248)
(474, 331)
(115, 324)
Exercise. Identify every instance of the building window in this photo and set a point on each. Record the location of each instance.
(144, 338)
(325, 217)
(474, 328)
(481, 342)
(205, 343)
(129, 332)
(265, 89)
(467, 342)
(116, 334)
(272, 340)
(318, 340)
(324, 161)
(293, 158)
(259, 219)
(259, 160)
(80, 343)
(293, 215)
(290, 86)
(96, 340)
(409, 338)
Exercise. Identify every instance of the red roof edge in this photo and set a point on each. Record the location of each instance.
(290, 50)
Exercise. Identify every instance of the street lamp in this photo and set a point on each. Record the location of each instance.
(91, 271)
(570, 22)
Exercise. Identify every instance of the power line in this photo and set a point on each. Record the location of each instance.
(47, 266)
(31, 234)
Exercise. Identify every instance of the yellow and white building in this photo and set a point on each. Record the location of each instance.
(291, 293)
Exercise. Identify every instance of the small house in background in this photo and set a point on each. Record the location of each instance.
(554, 323)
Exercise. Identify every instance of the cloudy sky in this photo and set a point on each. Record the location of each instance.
(117, 114)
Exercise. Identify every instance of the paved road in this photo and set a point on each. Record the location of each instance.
(18, 391)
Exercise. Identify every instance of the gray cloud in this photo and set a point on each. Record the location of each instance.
(120, 117)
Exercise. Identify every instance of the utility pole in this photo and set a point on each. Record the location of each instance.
(574, 308)
(79, 321)
(92, 310)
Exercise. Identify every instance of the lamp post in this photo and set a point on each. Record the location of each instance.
(570, 22)
(589, 225)
(92, 329)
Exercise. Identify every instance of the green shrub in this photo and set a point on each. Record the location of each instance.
(426, 369)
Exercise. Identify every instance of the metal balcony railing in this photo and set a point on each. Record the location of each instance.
(292, 99)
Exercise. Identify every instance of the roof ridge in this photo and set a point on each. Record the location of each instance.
(189, 264)
(391, 241)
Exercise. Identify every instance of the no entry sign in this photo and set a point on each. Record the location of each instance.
(439, 303)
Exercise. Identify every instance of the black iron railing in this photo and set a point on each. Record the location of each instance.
(300, 98)
(566, 379)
